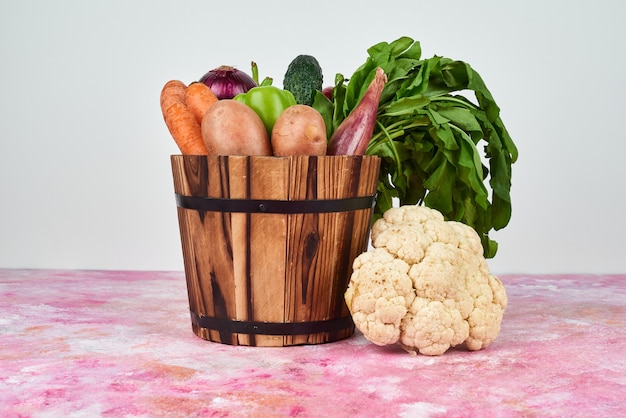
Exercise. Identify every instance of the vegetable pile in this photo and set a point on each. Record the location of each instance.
(409, 111)
(228, 112)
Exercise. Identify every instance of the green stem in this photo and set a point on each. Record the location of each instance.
(255, 72)
(397, 129)
(390, 143)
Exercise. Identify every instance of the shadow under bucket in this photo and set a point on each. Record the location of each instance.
(268, 244)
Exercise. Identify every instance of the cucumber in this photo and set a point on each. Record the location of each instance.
(303, 78)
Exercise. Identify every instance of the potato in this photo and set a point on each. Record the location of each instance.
(232, 128)
(299, 130)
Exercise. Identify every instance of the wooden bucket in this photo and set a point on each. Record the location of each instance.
(268, 244)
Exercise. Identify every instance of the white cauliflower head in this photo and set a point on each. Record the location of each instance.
(426, 285)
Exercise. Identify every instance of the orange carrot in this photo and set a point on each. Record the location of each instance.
(199, 98)
(173, 91)
(185, 129)
(180, 121)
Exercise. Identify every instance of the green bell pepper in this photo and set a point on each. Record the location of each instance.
(268, 102)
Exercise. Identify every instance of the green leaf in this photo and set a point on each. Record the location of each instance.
(339, 98)
(325, 106)
(455, 74)
(490, 247)
(461, 117)
(501, 210)
(414, 51)
(400, 45)
(470, 214)
(437, 118)
(443, 135)
(440, 185)
(470, 170)
(381, 52)
(406, 106)
(485, 99)
(358, 83)
(506, 139)
(384, 199)
(415, 189)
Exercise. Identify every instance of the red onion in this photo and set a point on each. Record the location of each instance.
(328, 92)
(226, 82)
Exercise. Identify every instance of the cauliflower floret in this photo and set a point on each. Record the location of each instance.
(405, 242)
(431, 327)
(379, 295)
(426, 285)
(485, 319)
(404, 215)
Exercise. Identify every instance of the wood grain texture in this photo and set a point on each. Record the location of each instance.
(272, 267)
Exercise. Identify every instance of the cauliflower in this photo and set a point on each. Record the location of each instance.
(426, 285)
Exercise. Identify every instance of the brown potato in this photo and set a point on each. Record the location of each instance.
(299, 130)
(230, 127)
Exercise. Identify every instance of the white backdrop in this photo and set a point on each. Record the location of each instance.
(85, 180)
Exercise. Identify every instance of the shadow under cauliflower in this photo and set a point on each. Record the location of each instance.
(426, 285)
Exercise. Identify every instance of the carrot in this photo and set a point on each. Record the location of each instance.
(199, 98)
(185, 129)
(180, 121)
(173, 92)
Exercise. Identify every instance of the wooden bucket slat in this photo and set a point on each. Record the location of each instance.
(188, 178)
(303, 241)
(268, 179)
(235, 180)
(272, 267)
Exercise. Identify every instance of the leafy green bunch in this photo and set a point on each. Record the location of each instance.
(428, 136)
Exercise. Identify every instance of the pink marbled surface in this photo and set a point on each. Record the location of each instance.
(119, 344)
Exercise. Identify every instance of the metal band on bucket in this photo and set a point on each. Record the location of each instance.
(211, 204)
(225, 325)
